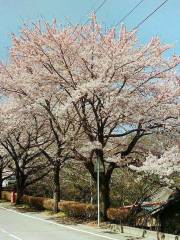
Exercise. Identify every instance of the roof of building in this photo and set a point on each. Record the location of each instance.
(171, 200)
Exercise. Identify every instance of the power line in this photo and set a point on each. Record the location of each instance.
(90, 10)
(97, 9)
(94, 5)
(129, 13)
(100, 6)
(145, 19)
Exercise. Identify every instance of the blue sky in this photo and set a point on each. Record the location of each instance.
(165, 22)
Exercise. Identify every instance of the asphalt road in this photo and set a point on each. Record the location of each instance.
(35, 226)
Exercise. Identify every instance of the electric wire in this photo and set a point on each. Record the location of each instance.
(148, 16)
(90, 10)
(97, 9)
(130, 12)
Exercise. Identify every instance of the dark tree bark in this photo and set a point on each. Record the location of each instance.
(104, 181)
(20, 187)
(1, 182)
(105, 192)
(19, 195)
(56, 196)
(105, 184)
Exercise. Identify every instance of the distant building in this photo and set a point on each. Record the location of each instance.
(169, 214)
(162, 212)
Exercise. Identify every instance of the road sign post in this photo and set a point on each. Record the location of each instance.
(98, 168)
(98, 194)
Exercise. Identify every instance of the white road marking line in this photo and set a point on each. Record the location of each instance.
(15, 237)
(58, 224)
(10, 234)
(3, 230)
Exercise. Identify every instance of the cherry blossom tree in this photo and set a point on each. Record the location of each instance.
(165, 166)
(57, 153)
(18, 140)
(52, 130)
(5, 168)
(118, 89)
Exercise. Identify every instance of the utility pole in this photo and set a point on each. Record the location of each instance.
(98, 168)
(98, 194)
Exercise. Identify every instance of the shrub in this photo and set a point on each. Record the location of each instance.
(71, 208)
(48, 203)
(26, 199)
(118, 214)
(6, 195)
(91, 211)
(36, 202)
(79, 210)
(39, 203)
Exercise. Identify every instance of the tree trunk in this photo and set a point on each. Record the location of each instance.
(105, 193)
(19, 194)
(20, 187)
(105, 178)
(56, 187)
(0, 189)
(104, 185)
(1, 182)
